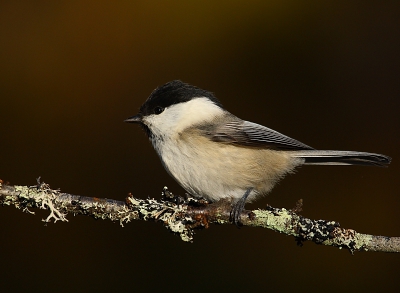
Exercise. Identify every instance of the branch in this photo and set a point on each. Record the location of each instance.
(183, 215)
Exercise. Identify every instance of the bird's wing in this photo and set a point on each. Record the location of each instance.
(250, 134)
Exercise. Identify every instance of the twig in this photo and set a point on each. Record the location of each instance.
(183, 215)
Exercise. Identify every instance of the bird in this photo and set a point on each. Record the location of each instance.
(215, 155)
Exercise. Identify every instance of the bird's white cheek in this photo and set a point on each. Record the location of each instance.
(176, 118)
(159, 125)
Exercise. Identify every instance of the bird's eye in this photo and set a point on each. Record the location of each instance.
(158, 110)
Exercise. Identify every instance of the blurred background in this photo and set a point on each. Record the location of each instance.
(323, 72)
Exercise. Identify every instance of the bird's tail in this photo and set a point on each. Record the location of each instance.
(315, 157)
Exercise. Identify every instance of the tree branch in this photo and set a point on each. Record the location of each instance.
(183, 215)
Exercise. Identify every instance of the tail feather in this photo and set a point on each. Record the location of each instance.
(315, 157)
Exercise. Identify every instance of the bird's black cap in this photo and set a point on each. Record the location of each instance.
(174, 92)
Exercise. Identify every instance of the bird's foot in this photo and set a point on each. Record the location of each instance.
(238, 207)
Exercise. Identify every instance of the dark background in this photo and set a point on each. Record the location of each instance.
(323, 72)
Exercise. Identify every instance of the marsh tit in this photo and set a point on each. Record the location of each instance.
(213, 154)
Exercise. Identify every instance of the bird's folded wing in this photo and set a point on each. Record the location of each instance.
(246, 133)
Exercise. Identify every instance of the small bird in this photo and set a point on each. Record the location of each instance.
(215, 155)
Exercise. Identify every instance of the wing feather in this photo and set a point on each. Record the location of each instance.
(246, 133)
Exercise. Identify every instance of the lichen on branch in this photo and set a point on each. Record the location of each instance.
(182, 215)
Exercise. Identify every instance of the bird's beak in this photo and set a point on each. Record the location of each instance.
(134, 119)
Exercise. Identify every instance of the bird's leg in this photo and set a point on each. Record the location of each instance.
(238, 208)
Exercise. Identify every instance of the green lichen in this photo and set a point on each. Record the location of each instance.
(280, 221)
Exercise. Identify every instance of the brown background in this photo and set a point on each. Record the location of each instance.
(323, 72)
